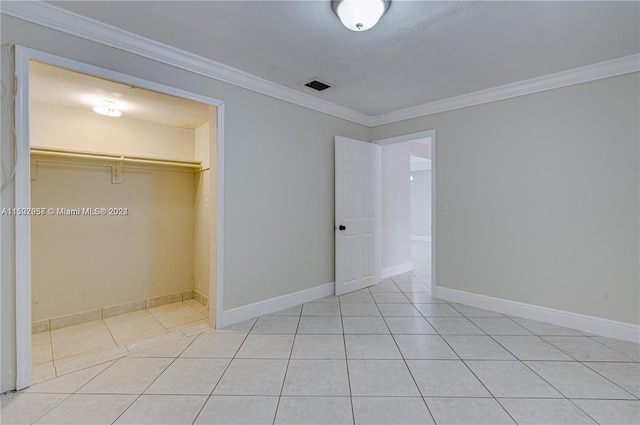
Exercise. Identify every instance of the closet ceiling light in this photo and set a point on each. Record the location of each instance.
(360, 15)
(107, 108)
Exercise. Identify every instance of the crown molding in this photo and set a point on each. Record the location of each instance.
(71, 23)
(611, 68)
(64, 21)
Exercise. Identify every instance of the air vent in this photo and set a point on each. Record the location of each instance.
(317, 85)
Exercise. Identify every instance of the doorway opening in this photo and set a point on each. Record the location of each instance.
(408, 199)
(124, 252)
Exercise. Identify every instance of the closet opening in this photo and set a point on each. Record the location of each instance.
(123, 186)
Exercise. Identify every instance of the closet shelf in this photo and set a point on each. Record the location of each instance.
(65, 153)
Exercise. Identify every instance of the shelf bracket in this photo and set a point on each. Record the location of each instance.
(116, 171)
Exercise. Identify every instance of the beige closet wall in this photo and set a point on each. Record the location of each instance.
(70, 128)
(80, 263)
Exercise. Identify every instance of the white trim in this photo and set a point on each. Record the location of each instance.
(434, 193)
(581, 322)
(395, 270)
(22, 223)
(597, 71)
(22, 185)
(272, 305)
(421, 238)
(67, 22)
(90, 29)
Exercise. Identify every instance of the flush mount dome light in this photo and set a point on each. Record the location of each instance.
(360, 15)
(107, 108)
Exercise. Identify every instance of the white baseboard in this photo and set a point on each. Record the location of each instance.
(581, 322)
(421, 238)
(250, 311)
(394, 270)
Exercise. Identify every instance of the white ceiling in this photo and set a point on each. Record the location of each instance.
(58, 86)
(420, 52)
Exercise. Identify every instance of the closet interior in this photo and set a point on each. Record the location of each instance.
(123, 224)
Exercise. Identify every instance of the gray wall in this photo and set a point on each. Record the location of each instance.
(542, 197)
(278, 179)
(421, 204)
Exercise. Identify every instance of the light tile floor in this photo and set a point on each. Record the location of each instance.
(69, 349)
(397, 357)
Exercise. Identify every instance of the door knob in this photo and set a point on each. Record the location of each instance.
(342, 227)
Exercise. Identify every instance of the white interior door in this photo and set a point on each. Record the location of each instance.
(357, 208)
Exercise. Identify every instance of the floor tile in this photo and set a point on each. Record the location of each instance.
(320, 325)
(454, 326)
(127, 376)
(437, 310)
(318, 347)
(86, 359)
(259, 346)
(176, 314)
(214, 344)
(424, 347)
(446, 378)
(88, 409)
(423, 298)
(69, 383)
(321, 309)
(41, 352)
(276, 325)
(197, 306)
(626, 375)
(381, 378)
(583, 348)
(169, 349)
(477, 347)
(42, 372)
(25, 408)
(242, 327)
(327, 299)
(162, 409)
(470, 311)
(416, 287)
(133, 325)
(545, 411)
(371, 347)
(531, 348)
(612, 412)
(316, 378)
(626, 348)
(359, 309)
(404, 310)
(499, 326)
(252, 377)
(238, 410)
(189, 376)
(356, 297)
(540, 328)
(409, 326)
(364, 325)
(391, 411)
(476, 411)
(390, 298)
(81, 338)
(388, 287)
(575, 380)
(511, 379)
(291, 311)
(314, 410)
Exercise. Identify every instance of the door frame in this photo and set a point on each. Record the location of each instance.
(23, 56)
(408, 138)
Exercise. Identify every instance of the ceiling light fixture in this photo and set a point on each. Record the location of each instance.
(360, 15)
(107, 108)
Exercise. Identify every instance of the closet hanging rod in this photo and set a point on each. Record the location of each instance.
(114, 157)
